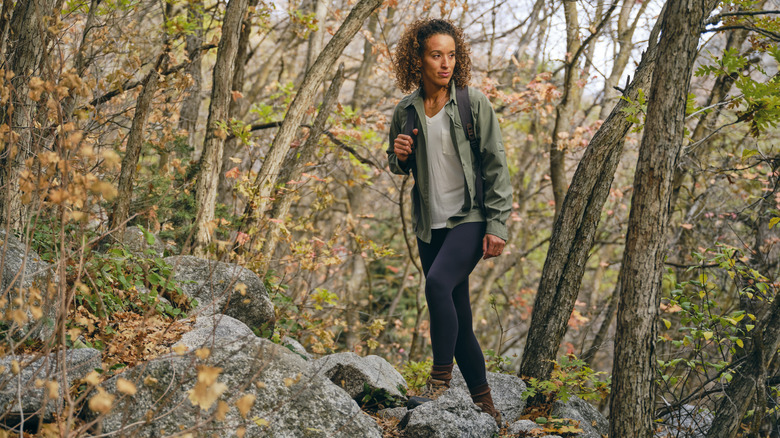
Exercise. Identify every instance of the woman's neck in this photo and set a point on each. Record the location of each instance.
(434, 93)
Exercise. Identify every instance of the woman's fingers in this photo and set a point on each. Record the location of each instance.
(492, 246)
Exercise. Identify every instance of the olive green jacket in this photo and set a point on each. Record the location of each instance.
(497, 187)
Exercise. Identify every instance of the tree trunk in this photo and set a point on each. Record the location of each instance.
(364, 73)
(625, 34)
(135, 140)
(575, 229)
(190, 107)
(211, 157)
(633, 376)
(26, 48)
(303, 99)
(233, 146)
(317, 37)
(566, 108)
(292, 169)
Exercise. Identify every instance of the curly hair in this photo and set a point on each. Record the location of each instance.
(408, 74)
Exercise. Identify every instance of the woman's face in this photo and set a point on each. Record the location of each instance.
(438, 60)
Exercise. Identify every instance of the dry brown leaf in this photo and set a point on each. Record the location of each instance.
(125, 386)
(203, 353)
(245, 403)
(222, 410)
(101, 402)
(93, 378)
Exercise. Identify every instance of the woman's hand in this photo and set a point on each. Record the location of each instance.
(492, 246)
(402, 146)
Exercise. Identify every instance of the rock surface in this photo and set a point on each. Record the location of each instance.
(523, 426)
(290, 400)
(452, 415)
(593, 424)
(135, 242)
(218, 288)
(688, 421)
(296, 347)
(23, 269)
(506, 390)
(353, 372)
(78, 363)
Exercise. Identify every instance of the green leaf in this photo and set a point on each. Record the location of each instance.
(707, 335)
(774, 221)
(667, 323)
(747, 153)
(541, 420)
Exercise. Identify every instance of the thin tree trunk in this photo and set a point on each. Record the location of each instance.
(625, 34)
(190, 107)
(135, 141)
(211, 157)
(317, 37)
(292, 168)
(364, 73)
(601, 335)
(634, 369)
(566, 108)
(233, 146)
(301, 103)
(26, 49)
(575, 229)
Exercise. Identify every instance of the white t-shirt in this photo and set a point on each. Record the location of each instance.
(447, 181)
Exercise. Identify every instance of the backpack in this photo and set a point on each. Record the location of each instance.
(464, 110)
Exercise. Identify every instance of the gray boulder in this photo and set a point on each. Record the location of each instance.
(523, 426)
(398, 413)
(35, 403)
(451, 415)
(687, 421)
(593, 424)
(23, 269)
(136, 243)
(506, 390)
(289, 399)
(296, 347)
(353, 373)
(224, 288)
(216, 331)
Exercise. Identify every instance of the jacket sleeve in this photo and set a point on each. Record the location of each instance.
(396, 166)
(497, 185)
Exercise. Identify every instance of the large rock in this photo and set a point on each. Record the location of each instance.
(35, 402)
(290, 400)
(687, 421)
(506, 390)
(354, 373)
(218, 330)
(23, 269)
(224, 288)
(135, 242)
(453, 414)
(593, 424)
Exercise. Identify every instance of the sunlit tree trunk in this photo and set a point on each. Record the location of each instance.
(211, 158)
(634, 372)
(364, 73)
(303, 99)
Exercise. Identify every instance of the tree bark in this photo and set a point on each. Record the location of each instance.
(232, 145)
(301, 103)
(135, 140)
(633, 376)
(317, 37)
(575, 229)
(364, 72)
(625, 33)
(566, 108)
(292, 169)
(211, 157)
(26, 48)
(190, 107)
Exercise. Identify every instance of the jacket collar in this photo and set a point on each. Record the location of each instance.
(409, 100)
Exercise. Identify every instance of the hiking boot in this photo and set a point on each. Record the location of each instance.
(438, 382)
(432, 390)
(484, 401)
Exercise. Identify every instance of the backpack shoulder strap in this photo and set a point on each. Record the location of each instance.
(464, 109)
(411, 122)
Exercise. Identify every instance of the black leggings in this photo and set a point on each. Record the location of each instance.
(447, 262)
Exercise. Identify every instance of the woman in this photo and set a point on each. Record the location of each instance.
(454, 226)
